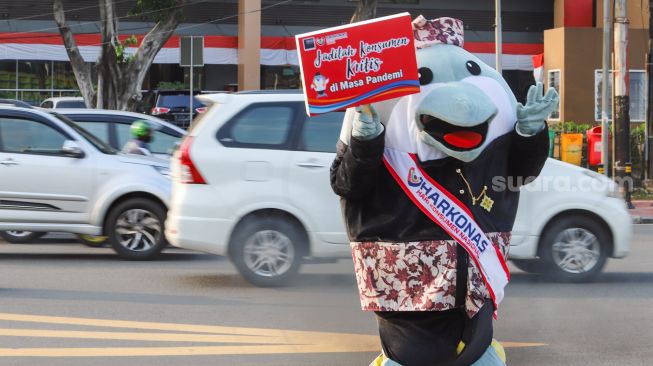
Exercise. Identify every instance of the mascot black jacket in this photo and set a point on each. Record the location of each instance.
(376, 209)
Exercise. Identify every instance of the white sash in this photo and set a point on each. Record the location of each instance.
(453, 216)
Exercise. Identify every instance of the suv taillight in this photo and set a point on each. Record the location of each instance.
(189, 173)
(200, 109)
(159, 110)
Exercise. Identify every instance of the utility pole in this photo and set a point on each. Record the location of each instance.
(649, 111)
(621, 117)
(497, 35)
(605, 122)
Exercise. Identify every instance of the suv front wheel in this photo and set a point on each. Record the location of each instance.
(574, 248)
(135, 229)
(267, 251)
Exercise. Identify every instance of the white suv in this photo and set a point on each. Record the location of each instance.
(251, 181)
(63, 102)
(55, 176)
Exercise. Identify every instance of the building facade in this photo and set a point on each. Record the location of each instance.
(33, 60)
(573, 52)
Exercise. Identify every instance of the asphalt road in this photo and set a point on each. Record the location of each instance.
(80, 306)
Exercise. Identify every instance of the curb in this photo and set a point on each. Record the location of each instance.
(642, 220)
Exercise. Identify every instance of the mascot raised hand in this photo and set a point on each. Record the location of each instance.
(429, 233)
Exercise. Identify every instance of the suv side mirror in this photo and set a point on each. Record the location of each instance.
(71, 148)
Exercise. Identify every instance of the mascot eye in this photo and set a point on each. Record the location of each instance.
(473, 68)
(425, 75)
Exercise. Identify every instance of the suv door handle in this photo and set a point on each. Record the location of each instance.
(310, 164)
(9, 162)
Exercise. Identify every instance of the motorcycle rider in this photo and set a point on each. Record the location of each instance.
(141, 131)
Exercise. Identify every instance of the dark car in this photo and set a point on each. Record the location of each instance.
(172, 106)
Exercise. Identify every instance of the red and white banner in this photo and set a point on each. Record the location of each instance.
(222, 50)
(452, 216)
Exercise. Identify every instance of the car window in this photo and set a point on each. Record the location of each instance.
(25, 136)
(104, 147)
(123, 134)
(162, 143)
(47, 104)
(320, 133)
(71, 104)
(99, 129)
(262, 125)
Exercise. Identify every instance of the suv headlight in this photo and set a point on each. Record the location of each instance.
(162, 170)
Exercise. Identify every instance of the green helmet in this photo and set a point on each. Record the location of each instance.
(140, 128)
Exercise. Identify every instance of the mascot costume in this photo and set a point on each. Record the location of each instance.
(429, 234)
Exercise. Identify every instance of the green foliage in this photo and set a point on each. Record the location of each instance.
(172, 85)
(570, 127)
(638, 133)
(642, 194)
(637, 142)
(121, 56)
(156, 10)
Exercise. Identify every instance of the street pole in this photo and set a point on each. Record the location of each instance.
(621, 101)
(605, 123)
(190, 108)
(497, 35)
(649, 111)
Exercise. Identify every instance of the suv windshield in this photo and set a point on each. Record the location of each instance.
(99, 144)
(177, 101)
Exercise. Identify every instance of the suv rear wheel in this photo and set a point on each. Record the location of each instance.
(135, 229)
(267, 251)
(574, 248)
(20, 237)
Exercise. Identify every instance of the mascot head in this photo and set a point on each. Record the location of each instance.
(463, 104)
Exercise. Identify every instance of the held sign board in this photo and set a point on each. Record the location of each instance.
(358, 63)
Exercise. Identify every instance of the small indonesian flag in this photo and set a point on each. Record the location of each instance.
(538, 68)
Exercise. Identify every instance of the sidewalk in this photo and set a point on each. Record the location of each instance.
(643, 212)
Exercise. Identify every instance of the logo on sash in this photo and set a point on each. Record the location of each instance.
(413, 179)
(452, 216)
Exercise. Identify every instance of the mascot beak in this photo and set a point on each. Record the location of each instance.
(456, 115)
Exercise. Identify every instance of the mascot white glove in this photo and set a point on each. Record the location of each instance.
(367, 124)
(531, 117)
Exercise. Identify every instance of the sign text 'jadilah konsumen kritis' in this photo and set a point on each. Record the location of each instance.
(358, 63)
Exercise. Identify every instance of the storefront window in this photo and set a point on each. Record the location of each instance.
(8, 75)
(637, 93)
(34, 75)
(197, 77)
(64, 78)
(7, 94)
(280, 77)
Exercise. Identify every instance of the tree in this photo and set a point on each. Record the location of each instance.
(119, 75)
(365, 10)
